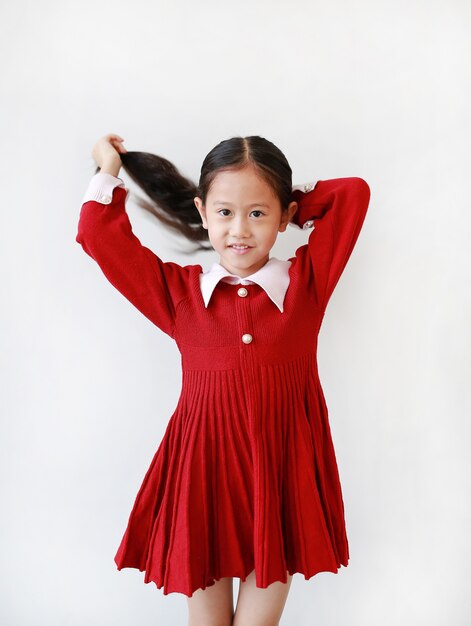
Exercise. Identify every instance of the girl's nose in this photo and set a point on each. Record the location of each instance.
(239, 228)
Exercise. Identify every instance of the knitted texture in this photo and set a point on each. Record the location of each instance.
(245, 477)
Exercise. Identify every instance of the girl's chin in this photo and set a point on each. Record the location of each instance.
(240, 263)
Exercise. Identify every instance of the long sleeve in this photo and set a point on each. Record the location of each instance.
(104, 231)
(336, 208)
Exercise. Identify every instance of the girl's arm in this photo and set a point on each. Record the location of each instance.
(105, 234)
(337, 209)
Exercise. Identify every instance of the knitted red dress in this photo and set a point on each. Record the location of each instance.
(245, 476)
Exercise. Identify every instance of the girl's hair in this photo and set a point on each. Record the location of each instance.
(172, 194)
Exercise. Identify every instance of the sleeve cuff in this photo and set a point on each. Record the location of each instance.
(305, 188)
(100, 188)
(305, 226)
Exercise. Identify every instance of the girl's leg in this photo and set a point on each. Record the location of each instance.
(260, 607)
(213, 606)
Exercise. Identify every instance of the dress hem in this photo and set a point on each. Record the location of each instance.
(243, 577)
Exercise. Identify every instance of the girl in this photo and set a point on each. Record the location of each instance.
(244, 482)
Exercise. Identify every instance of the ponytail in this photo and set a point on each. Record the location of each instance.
(171, 194)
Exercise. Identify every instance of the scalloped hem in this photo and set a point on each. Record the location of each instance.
(242, 576)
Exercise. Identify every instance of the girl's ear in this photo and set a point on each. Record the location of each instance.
(287, 216)
(201, 210)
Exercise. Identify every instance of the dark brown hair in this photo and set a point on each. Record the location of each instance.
(172, 194)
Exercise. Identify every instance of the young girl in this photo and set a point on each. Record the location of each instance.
(244, 482)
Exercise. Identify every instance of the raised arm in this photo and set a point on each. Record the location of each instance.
(105, 233)
(336, 210)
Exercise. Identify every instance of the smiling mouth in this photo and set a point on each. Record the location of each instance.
(239, 246)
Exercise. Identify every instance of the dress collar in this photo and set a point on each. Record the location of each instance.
(273, 277)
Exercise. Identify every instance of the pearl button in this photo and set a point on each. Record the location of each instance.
(308, 224)
(308, 187)
(242, 292)
(105, 198)
(247, 338)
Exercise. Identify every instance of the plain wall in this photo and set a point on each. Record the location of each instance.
(370, 89)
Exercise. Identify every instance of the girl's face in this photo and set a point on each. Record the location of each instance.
(241, 208)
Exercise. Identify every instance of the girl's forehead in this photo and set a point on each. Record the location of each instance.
(238, 184)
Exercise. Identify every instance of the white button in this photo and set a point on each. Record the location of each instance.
(105, 198)
(308, 224)
(308, 187)
(242, 292)
(247, 338)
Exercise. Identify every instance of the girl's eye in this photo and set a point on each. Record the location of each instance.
(255, 211)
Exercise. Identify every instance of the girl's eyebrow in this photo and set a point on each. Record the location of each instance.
(250, 205)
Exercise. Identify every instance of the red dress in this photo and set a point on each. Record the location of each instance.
(245, 476)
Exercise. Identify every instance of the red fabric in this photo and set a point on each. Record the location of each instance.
(245, 476)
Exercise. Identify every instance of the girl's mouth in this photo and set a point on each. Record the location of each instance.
(240, 249)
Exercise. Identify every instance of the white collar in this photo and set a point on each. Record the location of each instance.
(273, 277)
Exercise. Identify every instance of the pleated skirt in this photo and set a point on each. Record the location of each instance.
(241, 481)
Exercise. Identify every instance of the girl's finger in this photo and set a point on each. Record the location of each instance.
(120, 147)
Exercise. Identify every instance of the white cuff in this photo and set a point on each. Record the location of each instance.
(100, 188)
(305, 226)
(306, 188)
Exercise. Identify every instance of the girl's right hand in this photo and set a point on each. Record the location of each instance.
(107, 150)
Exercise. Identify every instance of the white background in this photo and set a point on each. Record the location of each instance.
(373, 89)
